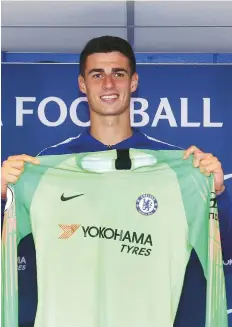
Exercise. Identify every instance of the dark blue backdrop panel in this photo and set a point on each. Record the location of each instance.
(179, 104)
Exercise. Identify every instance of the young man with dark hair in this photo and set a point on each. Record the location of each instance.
(108, 77)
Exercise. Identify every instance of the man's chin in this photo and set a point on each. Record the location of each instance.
(110, 111)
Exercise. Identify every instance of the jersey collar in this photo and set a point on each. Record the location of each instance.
(130, 142)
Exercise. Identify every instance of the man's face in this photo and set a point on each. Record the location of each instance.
(108, 83)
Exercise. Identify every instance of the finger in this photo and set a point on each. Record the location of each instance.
(210, 160)
(199, 156)
(12, 179)
(14, 172)
(204, 171)
(13, 164)
(25, 158)
(192, 149)
(213, 167)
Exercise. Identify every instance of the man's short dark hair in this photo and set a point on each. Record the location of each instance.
(105, 44)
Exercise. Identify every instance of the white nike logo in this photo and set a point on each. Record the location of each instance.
(228, 176)
(229, 311)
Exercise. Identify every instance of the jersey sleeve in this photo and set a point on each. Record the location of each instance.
(216, 312)
(16, 225)
(204, 237)
(200, 203)
(9, 269)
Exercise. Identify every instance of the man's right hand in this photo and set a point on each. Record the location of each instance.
(12, 168)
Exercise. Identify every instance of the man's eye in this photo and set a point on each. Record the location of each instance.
(119, 74)
(97, 75)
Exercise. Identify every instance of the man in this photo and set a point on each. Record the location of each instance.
(108, 77)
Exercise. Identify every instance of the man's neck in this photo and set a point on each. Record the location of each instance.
(111, 130)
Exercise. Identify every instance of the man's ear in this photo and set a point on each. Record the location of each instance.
(134, 82)
(81, 83)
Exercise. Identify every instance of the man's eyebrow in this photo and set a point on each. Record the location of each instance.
(115, 70)
(101, 70)
(96, 70)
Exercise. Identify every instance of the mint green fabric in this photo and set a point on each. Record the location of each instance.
(112, 246)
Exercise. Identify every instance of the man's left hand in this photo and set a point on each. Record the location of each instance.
(207, 164)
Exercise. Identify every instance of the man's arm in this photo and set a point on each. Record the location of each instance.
(207, 163)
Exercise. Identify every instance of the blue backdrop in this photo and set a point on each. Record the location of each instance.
(179, 104)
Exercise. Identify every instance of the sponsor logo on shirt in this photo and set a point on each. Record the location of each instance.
(67, 198)
(213, 200)
(134, 239)
(213, 205)
(22, 264)
(68, 230)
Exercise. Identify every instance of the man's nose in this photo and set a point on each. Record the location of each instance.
(108, 82)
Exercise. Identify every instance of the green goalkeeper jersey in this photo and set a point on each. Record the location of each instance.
(112, 245)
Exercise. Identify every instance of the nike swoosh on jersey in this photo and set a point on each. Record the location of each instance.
(63, 198)
(229, 311)
(228, 176)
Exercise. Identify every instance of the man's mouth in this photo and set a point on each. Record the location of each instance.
(109, 98)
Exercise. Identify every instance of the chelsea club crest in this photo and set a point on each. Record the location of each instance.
(146, 204)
